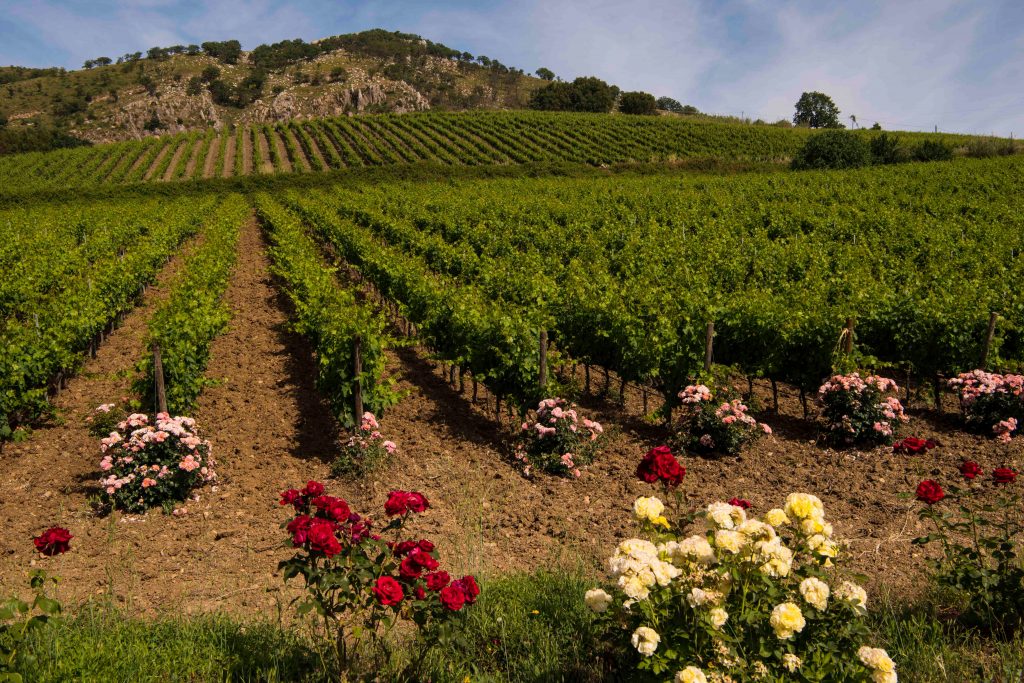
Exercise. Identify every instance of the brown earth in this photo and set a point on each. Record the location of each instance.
(229, 154)
(282, 152)
(271, 430)
(266, 164)
(315, 149)
(300, 153)
(175, 160)
(212, 154)
(193, 160)
(164, 151)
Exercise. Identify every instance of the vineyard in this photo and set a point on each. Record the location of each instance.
(446, 139)
(453, 328)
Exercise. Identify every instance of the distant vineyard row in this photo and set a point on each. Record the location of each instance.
(471, 138)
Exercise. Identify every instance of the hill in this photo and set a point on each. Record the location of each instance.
(183, 88)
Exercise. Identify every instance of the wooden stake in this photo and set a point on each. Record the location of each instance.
(803, 401)
(775, 396)
(357, 389)
(474, 388)
(543, 353)
(848, 337)
(709, 342)
(586, 375)
(989, 336)
(158, 381)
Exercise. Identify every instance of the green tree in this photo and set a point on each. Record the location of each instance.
(817, 110)
(195, 86)
(933, 150)
(593, 95)
(227, 51)
(638, 103)
(886, 149)
(833, 149)
(103, 61)
(545, 73)
(552, 97)
(669, 104)
(210, 74)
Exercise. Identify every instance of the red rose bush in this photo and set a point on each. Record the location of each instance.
(153, 462)
(716, 421)
(359, 581)
(991, 402)
(558, 441)
(858, 411)
(365, 450)
(913, 445)
(736, 596)
(978, 524)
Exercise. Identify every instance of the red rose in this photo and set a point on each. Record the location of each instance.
(740, 503)
(425, 560)
(334, 508)
(313, 489)
(929, 491)
(660, 465)
(404, 547)
(397, 503)
(409, 569)
(912, 445)
(403, 502)
(970, 469)
(426, 546)
(388, 591)
(1003, 475)
(321, 537)
(417, 502)
(468, 586)
(453, 598)
(420, 593)
(291, 497)
(437, 580)
(54, 541)
(299, 529)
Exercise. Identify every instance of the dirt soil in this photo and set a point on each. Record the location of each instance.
(212, 154)
(271, 430)
(229, 155)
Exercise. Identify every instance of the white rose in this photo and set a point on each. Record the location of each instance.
(853, 594)
(696, 549)
(691, 674)
(645, 640)
(733, 541)
(597, 600)
(815, 592)
(718, 617)
(726, 516)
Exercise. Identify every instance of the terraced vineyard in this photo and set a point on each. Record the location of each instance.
(471, 138)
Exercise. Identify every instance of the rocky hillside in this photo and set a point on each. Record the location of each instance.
(183, 88)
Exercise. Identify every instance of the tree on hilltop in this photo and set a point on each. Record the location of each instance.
(545, 73)
(669, 104)
(817, 110)
(639, 103)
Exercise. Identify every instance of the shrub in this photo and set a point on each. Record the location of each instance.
(638, 103)
(856, 410)
(105, 418)
(933, 150)
(980, 544)
(833, 149)
(365, 450)
(715, 421)
(359, 582)
(153, 464)
(746, 598)
(886, 149)
(991, 402)
(558, 442)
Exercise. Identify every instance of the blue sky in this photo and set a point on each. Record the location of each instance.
(909, 64)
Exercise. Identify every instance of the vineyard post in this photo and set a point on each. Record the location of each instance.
(160, 396)
(709, 346)
(543, 359)
(357, 361)
(989, 336)
(848, 337)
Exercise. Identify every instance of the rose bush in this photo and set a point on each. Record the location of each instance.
(857, 411)
(104, 419)
(361, 583)
(739, 598)
(558, 441)
(980, 529)
(365, 450)
(153, 462)
(991, 402)
(715, 421)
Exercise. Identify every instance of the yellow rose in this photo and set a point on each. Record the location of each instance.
(691, 674)
(718, 617)
(804, 506)
(597, 600)
(776, 517)
(791, 662)
(815, 592)
(648, 509)
(787, 619)
(730, 540)
(645, 640)
(854, 594)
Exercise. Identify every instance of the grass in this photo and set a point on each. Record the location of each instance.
(524, 627)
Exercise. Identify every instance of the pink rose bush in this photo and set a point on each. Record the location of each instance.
(365, 450)
(991, 402)
(359, 580)
(858, 411)
(104, 419)
(558, 441)
(153, 462)
(715, 421)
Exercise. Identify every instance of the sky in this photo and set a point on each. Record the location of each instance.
(907, 64)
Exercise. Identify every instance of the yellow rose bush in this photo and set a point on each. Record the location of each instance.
(724, 596)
